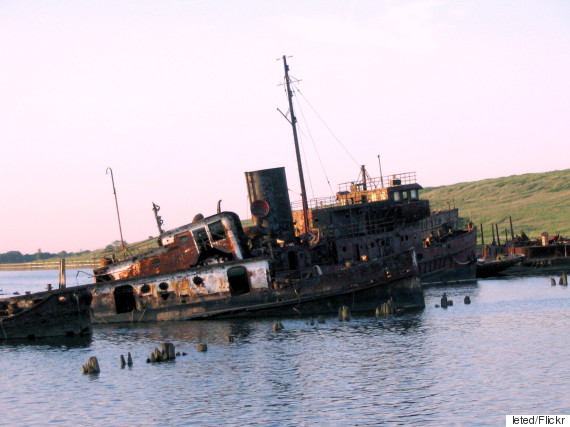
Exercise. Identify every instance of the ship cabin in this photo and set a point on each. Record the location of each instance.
(215, 239)
(369, 219)
(367, 207)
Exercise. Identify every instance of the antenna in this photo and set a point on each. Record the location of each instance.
(117, 205)
(381, 177)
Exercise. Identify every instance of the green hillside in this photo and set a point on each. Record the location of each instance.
(537, 202)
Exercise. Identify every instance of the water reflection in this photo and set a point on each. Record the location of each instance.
(47, 343)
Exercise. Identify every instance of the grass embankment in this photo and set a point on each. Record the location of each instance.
(537, 202)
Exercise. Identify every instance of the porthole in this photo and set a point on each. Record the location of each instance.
(198, 281)
(145, 289)
(163, 286)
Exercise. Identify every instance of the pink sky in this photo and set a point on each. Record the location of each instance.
(180, 98)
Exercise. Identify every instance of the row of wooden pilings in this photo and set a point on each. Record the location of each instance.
(562, 281)
(168, 352)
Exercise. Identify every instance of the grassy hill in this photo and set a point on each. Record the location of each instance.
(537, 202)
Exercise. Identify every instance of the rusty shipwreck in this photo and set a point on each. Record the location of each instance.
(58, 313)
(365, 247)
(282, 265)
(213, 268)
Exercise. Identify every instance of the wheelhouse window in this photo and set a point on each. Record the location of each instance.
(202, 240)
(217, 231)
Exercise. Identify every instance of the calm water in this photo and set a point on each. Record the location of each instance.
(506, 353)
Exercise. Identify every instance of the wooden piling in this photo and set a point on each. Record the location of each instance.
(91, 367)
(62, 273)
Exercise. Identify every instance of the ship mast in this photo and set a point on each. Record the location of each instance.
(293, 122)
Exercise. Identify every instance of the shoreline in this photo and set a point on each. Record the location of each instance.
(47, 265)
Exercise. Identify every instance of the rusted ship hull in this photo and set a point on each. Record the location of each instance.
(215, 291)
(47, 314)
(451, 260)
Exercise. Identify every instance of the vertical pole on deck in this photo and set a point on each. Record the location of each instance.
(482, 237)
(381, 178)
(498, 238)
(62, 283)
(117, 205)
(293, 122)
(493, 230)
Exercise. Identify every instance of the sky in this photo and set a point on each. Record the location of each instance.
(181, 97)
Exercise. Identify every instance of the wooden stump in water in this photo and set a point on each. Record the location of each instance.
(202, 347)
(91, 367)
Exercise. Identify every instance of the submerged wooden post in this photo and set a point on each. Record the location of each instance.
(345, 313)
(62, 273)
(91, 367)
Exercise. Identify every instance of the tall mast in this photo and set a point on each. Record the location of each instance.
(293, 122)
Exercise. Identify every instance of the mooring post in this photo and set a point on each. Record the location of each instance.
(62, 273)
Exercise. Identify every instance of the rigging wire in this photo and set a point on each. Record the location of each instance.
(306, 123)
(329, 129)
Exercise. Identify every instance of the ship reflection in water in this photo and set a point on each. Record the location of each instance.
(504, 352)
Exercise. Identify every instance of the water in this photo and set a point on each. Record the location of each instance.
(505, 353)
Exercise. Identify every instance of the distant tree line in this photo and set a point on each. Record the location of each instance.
(13, 257)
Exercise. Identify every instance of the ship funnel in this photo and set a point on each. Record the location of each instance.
(270, 204)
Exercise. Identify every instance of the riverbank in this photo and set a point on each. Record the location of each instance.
(52, 264)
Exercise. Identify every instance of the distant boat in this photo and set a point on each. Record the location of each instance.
(57, 313)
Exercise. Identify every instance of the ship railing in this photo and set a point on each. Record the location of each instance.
(404, 178)
(371, 184)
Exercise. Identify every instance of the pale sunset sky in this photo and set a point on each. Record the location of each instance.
(180, 98)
